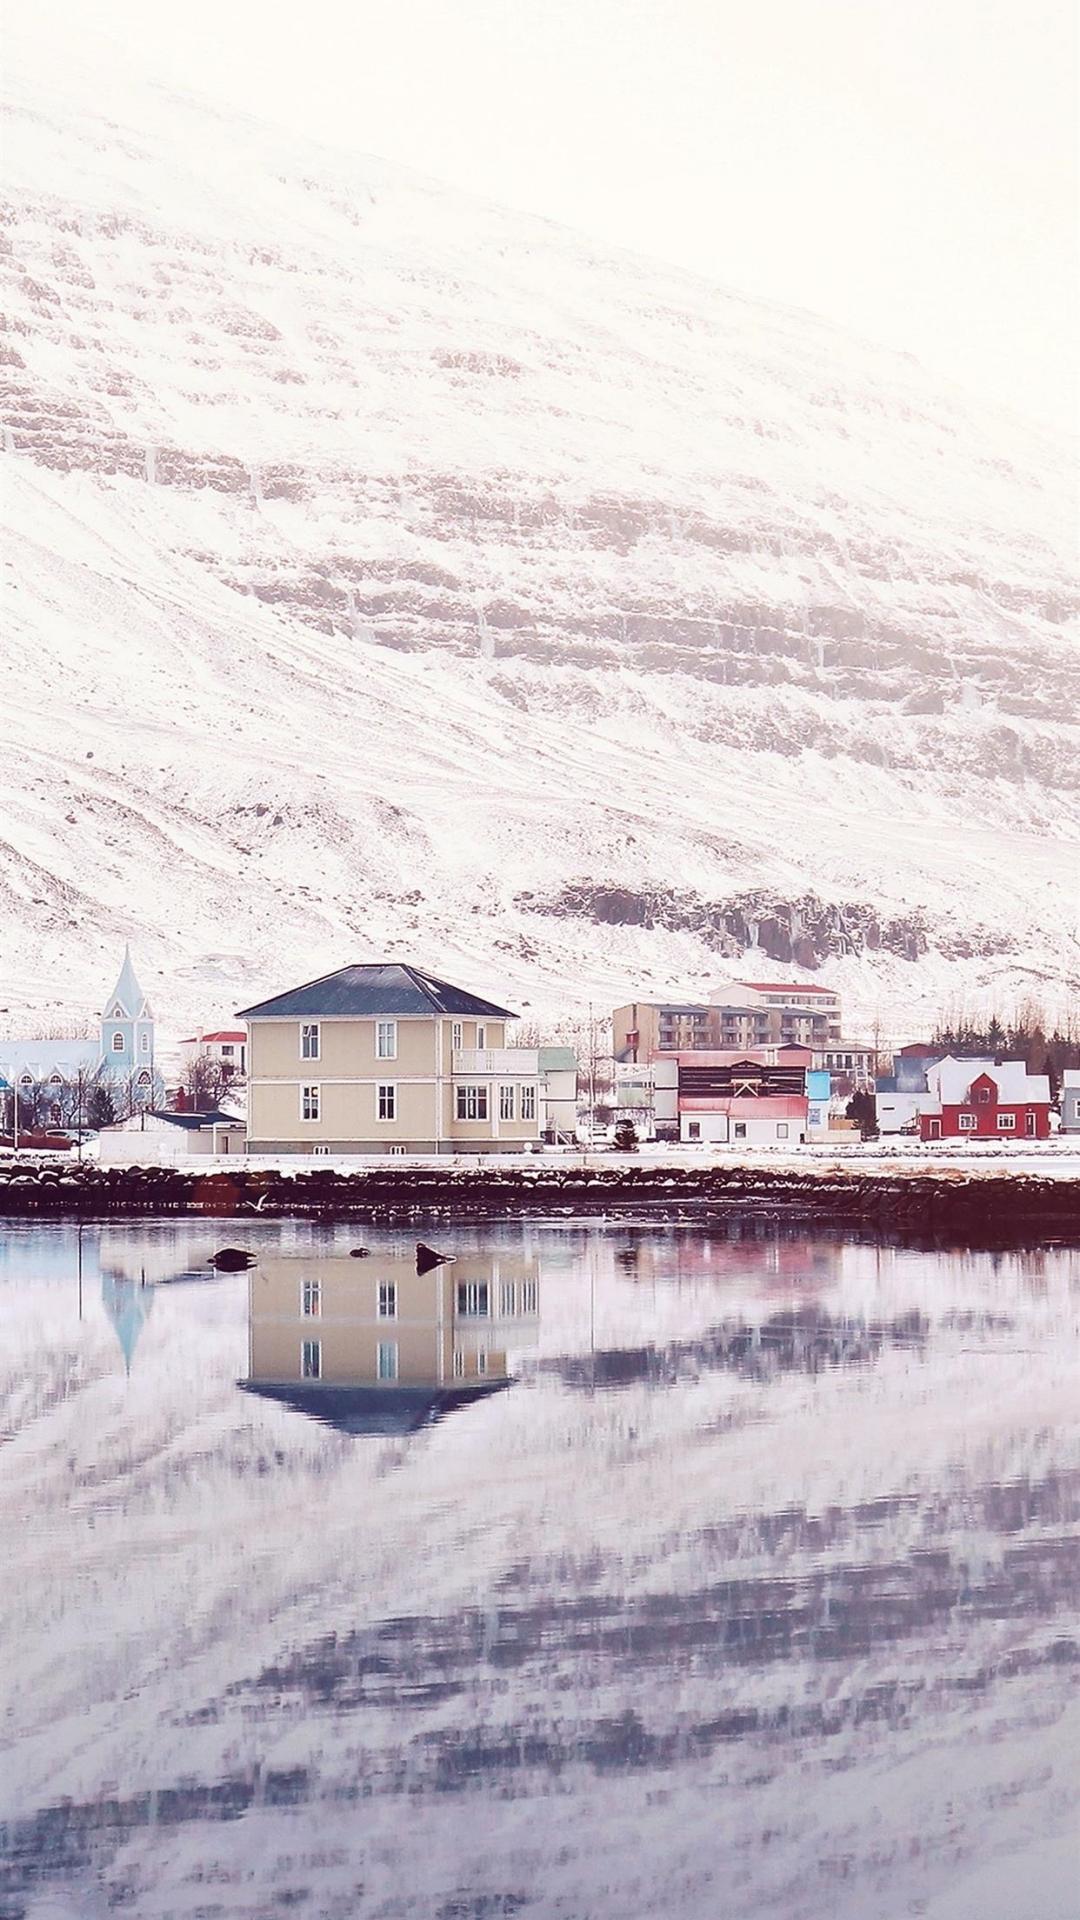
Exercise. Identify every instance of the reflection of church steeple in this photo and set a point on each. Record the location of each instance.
(128, 1304)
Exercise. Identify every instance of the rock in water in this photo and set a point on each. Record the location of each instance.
(231, 1260)
(426, 1258)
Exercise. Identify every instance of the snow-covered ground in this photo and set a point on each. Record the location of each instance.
(781, 1626)
(379, 564)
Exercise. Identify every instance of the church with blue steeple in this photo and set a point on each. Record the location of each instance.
(120, 1057)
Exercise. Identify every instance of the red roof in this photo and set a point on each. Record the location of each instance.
(782, 986)
(232, 1035)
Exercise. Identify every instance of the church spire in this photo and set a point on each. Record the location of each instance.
(127, 995)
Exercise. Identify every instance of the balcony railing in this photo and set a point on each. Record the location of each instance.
(516, 1063)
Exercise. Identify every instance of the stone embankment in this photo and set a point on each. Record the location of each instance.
(976, 1207)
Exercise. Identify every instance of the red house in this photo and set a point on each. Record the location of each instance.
(972, 1101)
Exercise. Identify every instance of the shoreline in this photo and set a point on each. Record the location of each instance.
(978, 1207)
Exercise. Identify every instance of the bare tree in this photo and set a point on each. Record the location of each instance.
(205, 1080)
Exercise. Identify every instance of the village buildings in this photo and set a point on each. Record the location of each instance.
(1070, 1101)
(382, 1059)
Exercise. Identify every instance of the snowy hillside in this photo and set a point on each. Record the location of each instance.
(389, 572)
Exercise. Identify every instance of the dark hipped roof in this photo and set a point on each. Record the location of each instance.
(372, 1410)
(384, 990)
(192, 1121)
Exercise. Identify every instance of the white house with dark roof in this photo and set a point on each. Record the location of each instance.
(384, 1058)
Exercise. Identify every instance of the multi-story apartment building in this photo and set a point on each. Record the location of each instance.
(387, 1059)
(741, 1014)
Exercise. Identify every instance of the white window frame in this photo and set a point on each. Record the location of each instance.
(967, 1122)
(386, 1030)
(481, 1037)
(386, 1360)
(311, 1359)
(397, 1146)
(459, 1364)
(457, 1036)
(321, 1148)
(144, 1043)
(782, 1130)
(386, 1300)
(507, 1300)
(386, 1096)
(310, 1040)
(310, 1299)
(311, 1103)
(738, 1131)
(471, 1094)
(1006, 1122)
(528, 1296)
(507, 1101)
(693, 1129)
(481, 1361)
(118, 1043)
(470, 1294)
(527, 1102)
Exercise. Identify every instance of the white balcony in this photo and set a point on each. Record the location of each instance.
(513, 1063)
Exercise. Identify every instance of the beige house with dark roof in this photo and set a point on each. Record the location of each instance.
(379, 1059)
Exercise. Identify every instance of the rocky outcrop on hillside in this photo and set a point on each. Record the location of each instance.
(805, 933)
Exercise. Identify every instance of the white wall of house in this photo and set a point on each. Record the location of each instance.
(896, 1110)
(160, 1144)
(1070, 1100)
(720, 1130)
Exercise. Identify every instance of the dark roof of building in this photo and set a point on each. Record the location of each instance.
(383, 990)
(372, 1410)
(193, 1121)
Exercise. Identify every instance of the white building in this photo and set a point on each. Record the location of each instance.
(168, 1139)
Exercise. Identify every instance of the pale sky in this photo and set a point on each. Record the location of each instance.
(906, 168)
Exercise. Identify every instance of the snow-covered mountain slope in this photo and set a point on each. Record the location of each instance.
(389, 571)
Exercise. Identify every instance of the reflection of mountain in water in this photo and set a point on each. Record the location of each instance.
(379, 1347)
(799, 1340)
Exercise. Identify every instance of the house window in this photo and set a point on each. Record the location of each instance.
(386, 1100)
(397, 1146)
(481, 1038)
(310, 1298)
(386, 1363)
(386, 1039)
(693, 1129)
(507, 1299)
(966, 1122)
(311, 1359)
(309, 1103)
(472, 1103)
(118, 1043)
(1006, 1122)
(739, 1130)
(481, 1362)
(507, 1107)
(457, 1035)
(781, 1129)
(459, 1364)
(309, 1040)
(144, 1043)
(226, 1051)
(982, 1095)
(472, 1299)
(324, 1151)
(387, 1301)
(528, 1296)
(528, 1103)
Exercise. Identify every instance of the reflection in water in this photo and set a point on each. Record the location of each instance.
(391, 1343)
(755, 1597)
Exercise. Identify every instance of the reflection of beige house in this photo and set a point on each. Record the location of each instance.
(386, 1059)
(329, 1332)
